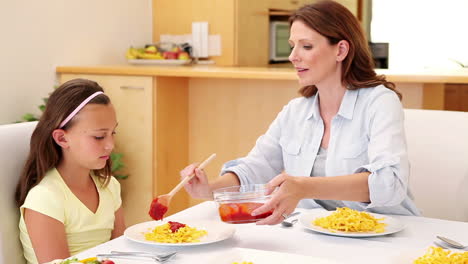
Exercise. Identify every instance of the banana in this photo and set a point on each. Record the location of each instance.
(140, 53)
(150, 56)
(130, 54)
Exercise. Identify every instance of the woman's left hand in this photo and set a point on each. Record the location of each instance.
(283, 201)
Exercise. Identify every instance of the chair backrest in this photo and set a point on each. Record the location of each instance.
(14, 148)
(438, 154)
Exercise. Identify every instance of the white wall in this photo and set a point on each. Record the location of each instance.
(37, 36)
(422, 33)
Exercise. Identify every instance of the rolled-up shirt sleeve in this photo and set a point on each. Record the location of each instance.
(387, 152)
(265, 160)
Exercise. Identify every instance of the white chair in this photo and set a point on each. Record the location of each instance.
(14, 148)
(438, 154)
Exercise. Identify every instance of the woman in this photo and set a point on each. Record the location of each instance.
(342, 143)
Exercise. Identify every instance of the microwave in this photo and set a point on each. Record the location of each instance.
(279, 45)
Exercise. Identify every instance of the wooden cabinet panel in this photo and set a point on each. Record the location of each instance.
(465, 98)
(456, 97)
(228, 115)
(170, 124)
(352, 5)
(132, 99)
(176, 17)
(286, 4)
(252, 33)
(242, 25)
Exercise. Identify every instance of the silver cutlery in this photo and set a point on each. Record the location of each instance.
(440, 245)
(160, 257)
(165, 254)
(451, 242)
(287, 223)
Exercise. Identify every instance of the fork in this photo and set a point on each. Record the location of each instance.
(140, 253)
(451, 242)
(440, 245)
(135, 255)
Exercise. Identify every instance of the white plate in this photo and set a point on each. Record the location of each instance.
(217, 231)
(158, 62)
(393, 225)
(262, 257)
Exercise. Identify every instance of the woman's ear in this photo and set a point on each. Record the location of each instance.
(59, 137)
(343, 49)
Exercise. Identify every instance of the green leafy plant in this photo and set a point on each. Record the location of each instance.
(117, 165)
(28, 117)
(116, 158)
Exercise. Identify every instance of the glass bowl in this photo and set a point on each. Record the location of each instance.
(236, 203)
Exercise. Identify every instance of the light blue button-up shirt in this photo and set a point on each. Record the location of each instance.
(367, 134)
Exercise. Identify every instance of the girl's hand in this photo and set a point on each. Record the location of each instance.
(198, 186)
(283, 201)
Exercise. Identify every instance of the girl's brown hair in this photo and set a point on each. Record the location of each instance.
(335, 22)
(44, 153)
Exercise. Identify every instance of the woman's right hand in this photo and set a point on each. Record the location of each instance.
(198, 187)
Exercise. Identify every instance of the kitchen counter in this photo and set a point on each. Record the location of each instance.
(260, 73)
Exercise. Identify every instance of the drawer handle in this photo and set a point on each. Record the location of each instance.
(132, 87)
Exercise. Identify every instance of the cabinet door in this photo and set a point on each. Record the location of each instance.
(132, 99)
(352, 5)
(285, 4)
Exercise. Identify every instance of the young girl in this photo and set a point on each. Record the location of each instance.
(68, 199)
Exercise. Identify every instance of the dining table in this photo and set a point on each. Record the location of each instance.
(296, 244)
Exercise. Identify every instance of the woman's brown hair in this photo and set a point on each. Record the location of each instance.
(335, 22)
(44, 153)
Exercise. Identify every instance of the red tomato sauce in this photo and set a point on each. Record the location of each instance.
(174, 226)
(240, 212)
(157, 210)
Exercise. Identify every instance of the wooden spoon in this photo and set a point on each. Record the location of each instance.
(160, 204)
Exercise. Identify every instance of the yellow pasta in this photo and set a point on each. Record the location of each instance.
(186, 234)
(437, 255)
(349, 220)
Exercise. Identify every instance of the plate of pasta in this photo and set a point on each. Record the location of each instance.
(350, 223)
(188, 233)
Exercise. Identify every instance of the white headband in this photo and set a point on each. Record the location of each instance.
(78, 108)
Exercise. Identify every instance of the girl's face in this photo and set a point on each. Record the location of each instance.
(315, 60)
(91, 138)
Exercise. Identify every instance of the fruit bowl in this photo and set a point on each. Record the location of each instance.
(160, 53)
(236, 203)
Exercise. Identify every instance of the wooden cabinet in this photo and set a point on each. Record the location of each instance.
(352, 5)
(456, 97)
(242, 25)
(287, 4)
(132, 99)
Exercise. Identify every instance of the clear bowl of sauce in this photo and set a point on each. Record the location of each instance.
(236, 203)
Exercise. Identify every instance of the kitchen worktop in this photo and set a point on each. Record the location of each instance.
(266, 73)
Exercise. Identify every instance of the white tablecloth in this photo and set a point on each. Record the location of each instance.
(401, 247)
